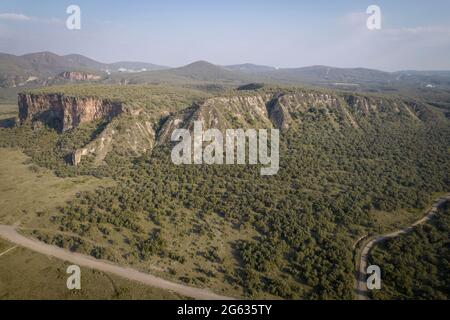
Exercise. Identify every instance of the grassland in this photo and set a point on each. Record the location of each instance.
(27, 195)
(147, 96)
(9, 95)
(28, 275)
(226, 228)
(28, 192)
(8, 111)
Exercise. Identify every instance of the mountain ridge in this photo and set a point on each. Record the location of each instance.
(39, 68)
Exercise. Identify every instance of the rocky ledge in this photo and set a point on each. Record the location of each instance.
(63, 112)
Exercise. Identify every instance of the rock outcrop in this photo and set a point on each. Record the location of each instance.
(78, 76)
(135, 130)
(63, 112)
(131, 133)
(285, 109)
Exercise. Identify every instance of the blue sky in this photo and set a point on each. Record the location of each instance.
(414, 34)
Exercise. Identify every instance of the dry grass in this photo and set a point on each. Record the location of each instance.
(28, 191)
(28, 275)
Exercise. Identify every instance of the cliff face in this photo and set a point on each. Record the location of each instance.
(134, 130)
(63, 113)
(287, 110)
(131, 133)
(78, 76)
(130, 128)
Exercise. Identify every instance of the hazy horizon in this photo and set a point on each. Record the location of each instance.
(232, 64)
(284, 34)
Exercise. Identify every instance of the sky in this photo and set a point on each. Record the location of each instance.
(413, 35)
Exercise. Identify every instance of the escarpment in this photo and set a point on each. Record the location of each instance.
(126, 124)
(131, 133)
(133, 130)
(285, 110)
(65, 112)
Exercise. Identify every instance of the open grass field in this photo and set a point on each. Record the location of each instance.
(9, 95)
(28, 192)
(151, 97)
(8, 111)
(28, 275)
(29, 195)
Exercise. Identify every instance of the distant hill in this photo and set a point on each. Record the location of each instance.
(194, 73)
(250, 68)
(137, 66)
(80, 61)
(47, 63)
(42, 68)
(317, 74)
(205, 71)
(13, 65)
(428, 78)
(39, 67)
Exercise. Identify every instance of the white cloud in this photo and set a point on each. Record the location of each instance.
(19, 17)
(15, 17)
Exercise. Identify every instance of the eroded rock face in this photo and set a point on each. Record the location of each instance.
(134, 130)
(129, 128)
(62, 112)
(78, 76)
(284, 110)
(136, 138)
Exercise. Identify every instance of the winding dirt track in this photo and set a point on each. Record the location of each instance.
(9, 233)
(360, 275)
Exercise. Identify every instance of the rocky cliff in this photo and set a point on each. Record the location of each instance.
(129, 128)
(131, 133)
(78, 76)
(133, 130)
(63, 112)
(283, 110)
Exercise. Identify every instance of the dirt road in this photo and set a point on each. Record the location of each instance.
(9, 233)
(360, 276)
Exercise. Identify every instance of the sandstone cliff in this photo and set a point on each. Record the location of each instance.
(129, 127)
(133, 134)
(283, 110)
(63, 112)
(133, 130)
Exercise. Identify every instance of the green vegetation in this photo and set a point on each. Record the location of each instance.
(233, 230)
(416, 265)
(150, 97)
(51, 150)
(28, 191)
(8, 111)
